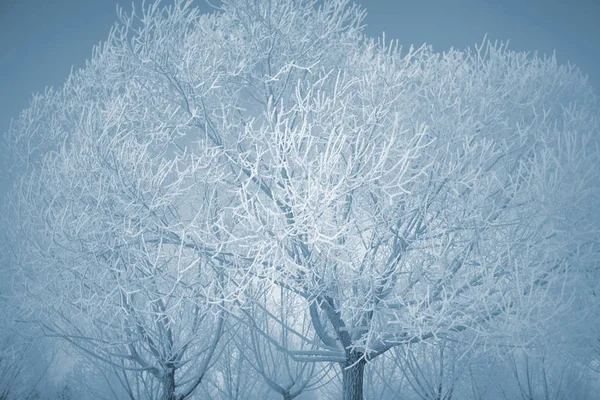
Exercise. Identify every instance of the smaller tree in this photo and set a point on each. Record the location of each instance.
(546, 376)
(432, 369)
(384, 379)
(274, 336)
(232, 377)
(11, 373)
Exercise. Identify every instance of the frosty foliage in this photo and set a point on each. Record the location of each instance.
(396, 195)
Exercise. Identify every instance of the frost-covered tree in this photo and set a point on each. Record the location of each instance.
(408, 196)
(403, 195)
(103, 216)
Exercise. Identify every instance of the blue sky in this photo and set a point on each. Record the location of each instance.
(42, 39)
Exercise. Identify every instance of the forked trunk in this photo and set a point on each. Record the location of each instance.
(353, 372)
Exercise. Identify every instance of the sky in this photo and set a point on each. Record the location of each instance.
(41, 40)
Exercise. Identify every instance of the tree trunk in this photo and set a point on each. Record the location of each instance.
(353, 372)
(168, 385)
